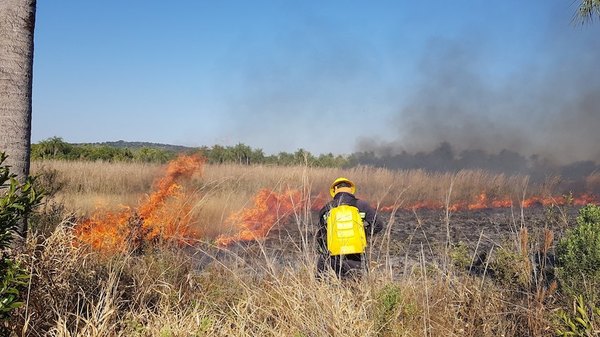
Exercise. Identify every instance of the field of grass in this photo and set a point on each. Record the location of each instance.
(269, 287)
(84, 185)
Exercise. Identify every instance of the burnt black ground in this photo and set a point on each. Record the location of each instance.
(481, 229)
(408, 236)
(432, 229)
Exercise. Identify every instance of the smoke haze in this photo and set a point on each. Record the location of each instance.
(461, 112)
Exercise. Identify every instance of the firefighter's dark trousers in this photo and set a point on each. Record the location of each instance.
(344, 266)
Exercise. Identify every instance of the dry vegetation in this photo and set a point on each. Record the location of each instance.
(85, 185)
(269, 288)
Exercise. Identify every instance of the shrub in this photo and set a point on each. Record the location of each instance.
(512, 268)
(578, 255)
(459, 255)
(17, 200)
(392, 310)
(12, 277)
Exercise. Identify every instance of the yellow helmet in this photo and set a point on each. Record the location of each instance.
(341, 180)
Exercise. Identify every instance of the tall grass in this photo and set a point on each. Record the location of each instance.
(83, 186)
(269, 287)
(255, 290)
(86, 185)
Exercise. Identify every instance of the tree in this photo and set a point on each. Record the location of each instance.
(242, 153)
(51, 148)
(17, 22)
(588, 10)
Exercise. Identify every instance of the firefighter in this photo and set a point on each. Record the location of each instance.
(342, 191)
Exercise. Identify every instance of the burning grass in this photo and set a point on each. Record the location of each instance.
(165, 214)
(226, 189)
(179, 209)
(255, 222)
(214, 283)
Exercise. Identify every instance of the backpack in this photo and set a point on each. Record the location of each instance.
(345, 231)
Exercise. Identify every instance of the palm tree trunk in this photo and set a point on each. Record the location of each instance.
(17, 22)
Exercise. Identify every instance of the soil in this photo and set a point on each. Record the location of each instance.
(434, 228)
(479, 230)
(410, 236)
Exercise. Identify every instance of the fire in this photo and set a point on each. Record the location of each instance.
(580, 200)
(585, 199)
(483, 201)
(319, 201)
(270, 208)
(171, 219)
(105, 231)
(164, 214)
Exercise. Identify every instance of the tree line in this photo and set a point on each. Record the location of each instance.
(441, 159)
(56, 148)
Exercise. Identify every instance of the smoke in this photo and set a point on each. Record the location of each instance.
(465, 112)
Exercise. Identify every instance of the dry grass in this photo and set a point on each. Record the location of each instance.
(87, 185)
(101, 177)
(265, 288)
(250, 291)
(84, 186)
(221, 190)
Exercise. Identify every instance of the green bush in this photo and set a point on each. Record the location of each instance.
(512, 268)
(12, 277)
(17, 200)
(151, 155)
(578, 255)
(388, 301)
(392, 310)
(459, 255)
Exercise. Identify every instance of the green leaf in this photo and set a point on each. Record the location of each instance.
(582, 322)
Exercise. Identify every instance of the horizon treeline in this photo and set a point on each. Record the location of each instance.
(441, 159)
(57, 149)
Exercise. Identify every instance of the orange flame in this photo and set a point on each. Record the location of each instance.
(105, 231)
(270, 208)
(165, 214)
(483, 201)
(319, 201)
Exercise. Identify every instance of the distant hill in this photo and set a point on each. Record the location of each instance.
(137, 145)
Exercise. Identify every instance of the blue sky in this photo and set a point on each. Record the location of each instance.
(325, 76)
